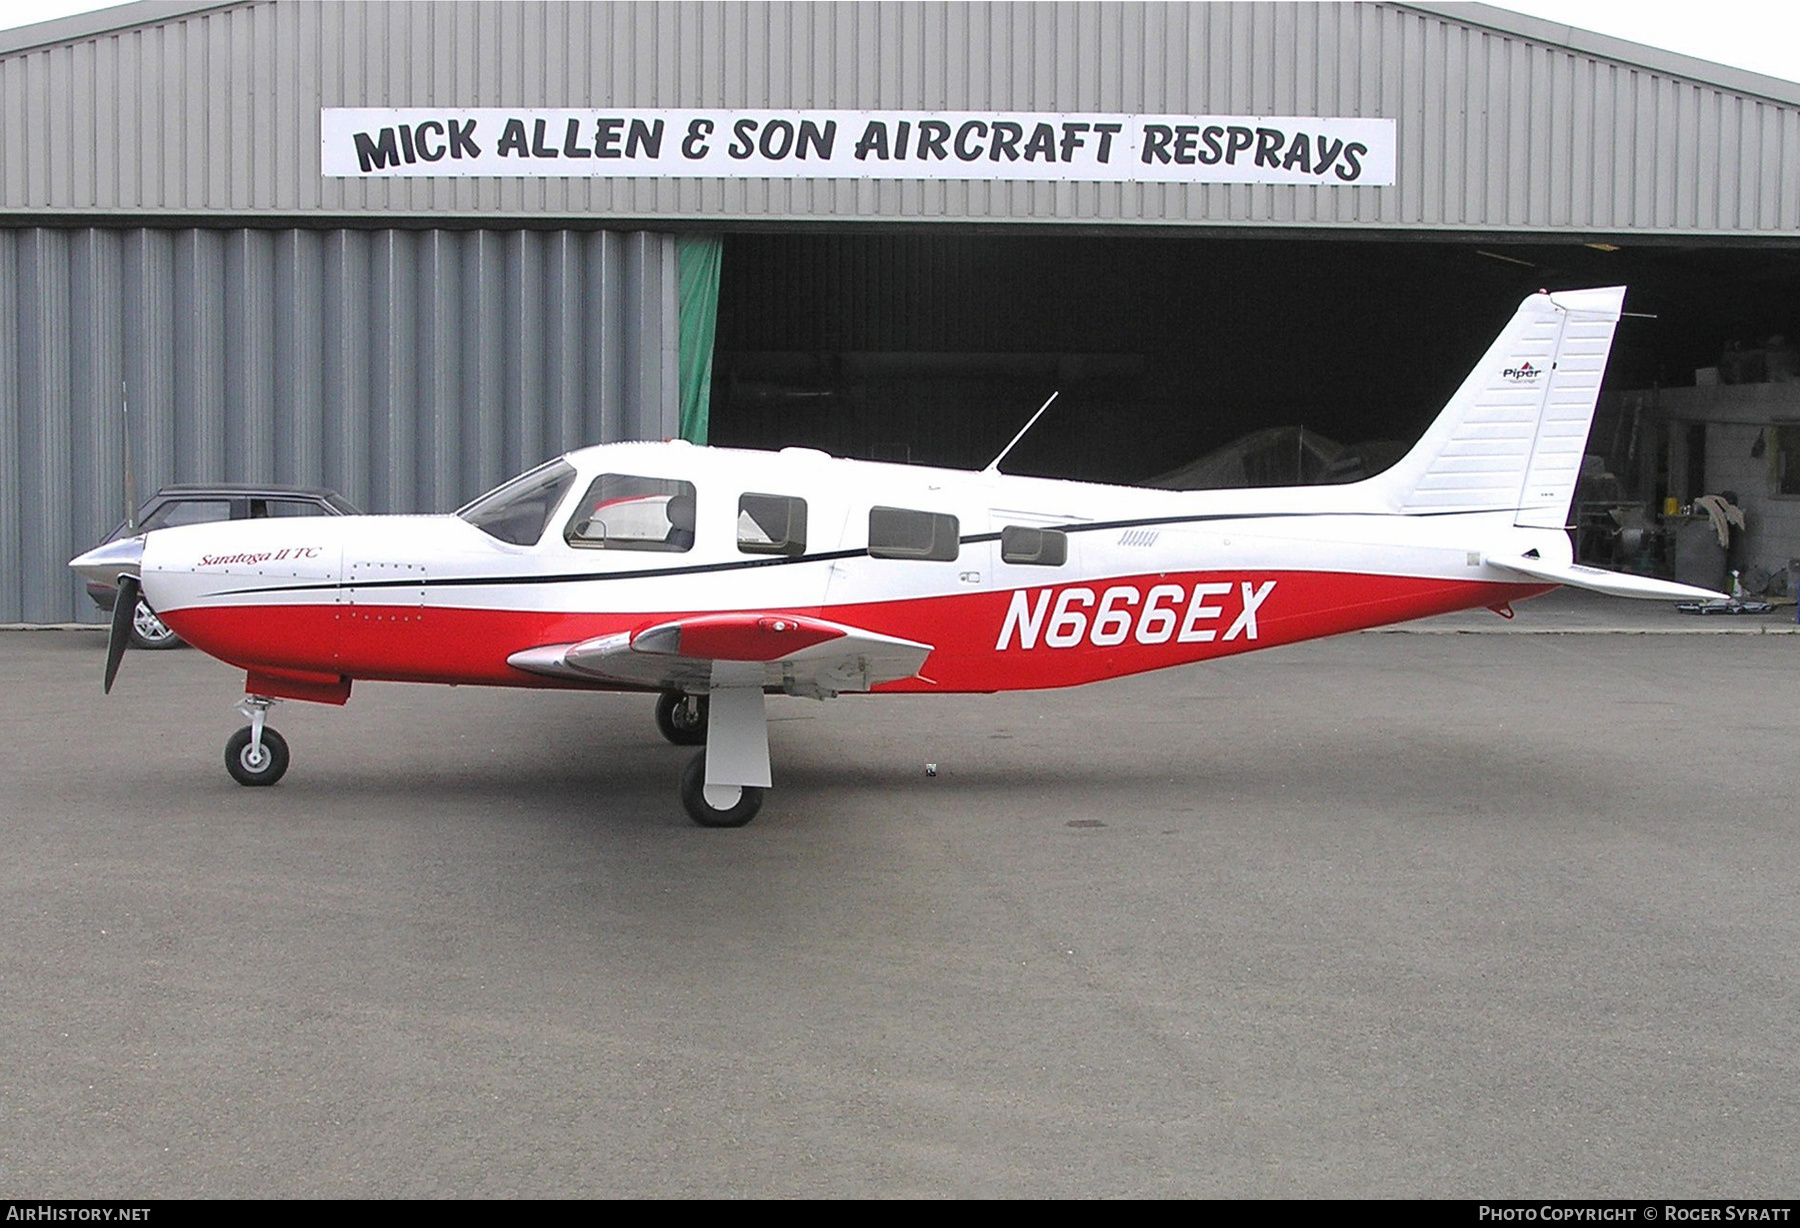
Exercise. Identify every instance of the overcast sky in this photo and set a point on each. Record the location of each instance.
(1760, 35)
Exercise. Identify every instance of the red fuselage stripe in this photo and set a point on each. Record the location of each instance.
(1059, 635)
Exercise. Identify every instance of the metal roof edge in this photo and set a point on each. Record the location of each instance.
(81, 26)
(1656, 59)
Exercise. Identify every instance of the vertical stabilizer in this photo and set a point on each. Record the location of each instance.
(1513, 436)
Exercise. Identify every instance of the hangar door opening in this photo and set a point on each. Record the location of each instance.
(1277, 360)
(935, 348)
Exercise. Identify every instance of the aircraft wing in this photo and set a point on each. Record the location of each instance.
(1613, 583)
(799, 655)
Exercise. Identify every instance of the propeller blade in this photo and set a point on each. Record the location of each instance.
(124, 609)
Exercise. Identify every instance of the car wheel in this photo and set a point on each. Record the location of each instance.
(149, 631)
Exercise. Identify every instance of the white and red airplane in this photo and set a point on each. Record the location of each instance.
(716, 576)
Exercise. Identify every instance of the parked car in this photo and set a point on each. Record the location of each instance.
(196, 504)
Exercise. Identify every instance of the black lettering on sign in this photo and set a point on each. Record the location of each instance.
(1042, 144)
(1328, 152)
(1156, 144)
(1351, 171)
(462, 140)
(966, 152)
(1268, 147)
(512, 140)
(1299, 154)
(693, 145)
(777, 140)
(644, 138)
(606, 136)
(1107, 133)
(572, 146)
(744, 139)
(1007, 135)
(1237, 139)
(874, 140)
(1186, 135)
(378, 153)
(1072, 139)
(932, 135)
(1214, 152)
(540, 149)
(819, 140)
(424, 130)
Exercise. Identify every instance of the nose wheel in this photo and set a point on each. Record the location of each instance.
(256, 755)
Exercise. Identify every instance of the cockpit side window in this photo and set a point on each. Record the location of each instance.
(517, 511)
(772, 524)
(622, 511)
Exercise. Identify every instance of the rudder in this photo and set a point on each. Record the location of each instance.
(1513, 436)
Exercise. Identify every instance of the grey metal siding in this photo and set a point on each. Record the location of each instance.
(217, 110)
(410, 369)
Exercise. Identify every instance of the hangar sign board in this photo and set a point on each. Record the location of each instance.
(425, 142)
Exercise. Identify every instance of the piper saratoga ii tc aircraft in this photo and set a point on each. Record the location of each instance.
(716, 576)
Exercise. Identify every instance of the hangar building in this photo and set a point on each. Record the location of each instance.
(407, 249)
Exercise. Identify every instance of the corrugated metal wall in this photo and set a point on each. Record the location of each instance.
(218, 111)
(410, 369)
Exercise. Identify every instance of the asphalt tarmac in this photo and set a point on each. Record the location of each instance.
(1388, 915)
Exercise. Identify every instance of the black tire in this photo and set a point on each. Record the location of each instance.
(149, 631)
(245, 769)
(693, 784)
(680, 721)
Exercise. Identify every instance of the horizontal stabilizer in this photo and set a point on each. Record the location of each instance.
(1613, 583)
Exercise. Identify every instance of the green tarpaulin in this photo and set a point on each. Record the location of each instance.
(698, 259)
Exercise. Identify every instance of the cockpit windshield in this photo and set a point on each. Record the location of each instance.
(517, 511)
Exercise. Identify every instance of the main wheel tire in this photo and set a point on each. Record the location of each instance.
(249, 768)
(682, 718)
(149, 631)
(703, 812)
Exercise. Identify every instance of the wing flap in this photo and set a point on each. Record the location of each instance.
(799, 655)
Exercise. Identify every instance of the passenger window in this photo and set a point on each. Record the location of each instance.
(900, 533)
(623, 512)
(771, 524)
(1034, 547)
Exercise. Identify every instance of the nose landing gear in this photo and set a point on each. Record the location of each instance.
(256, 755)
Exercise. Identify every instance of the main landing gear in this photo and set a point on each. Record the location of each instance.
(723, 784)
(256, 755)
(737, 804)
(682, 718)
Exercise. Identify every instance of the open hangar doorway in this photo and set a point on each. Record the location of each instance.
(935, 347)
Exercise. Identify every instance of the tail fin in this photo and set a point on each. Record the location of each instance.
(1512, 437)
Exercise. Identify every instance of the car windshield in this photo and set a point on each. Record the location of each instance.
(517, 511)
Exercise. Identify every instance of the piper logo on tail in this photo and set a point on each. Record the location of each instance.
(1524, 373)
(1187, 615)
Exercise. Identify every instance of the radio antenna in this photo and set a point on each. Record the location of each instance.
(994, 465)
(125, 458)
